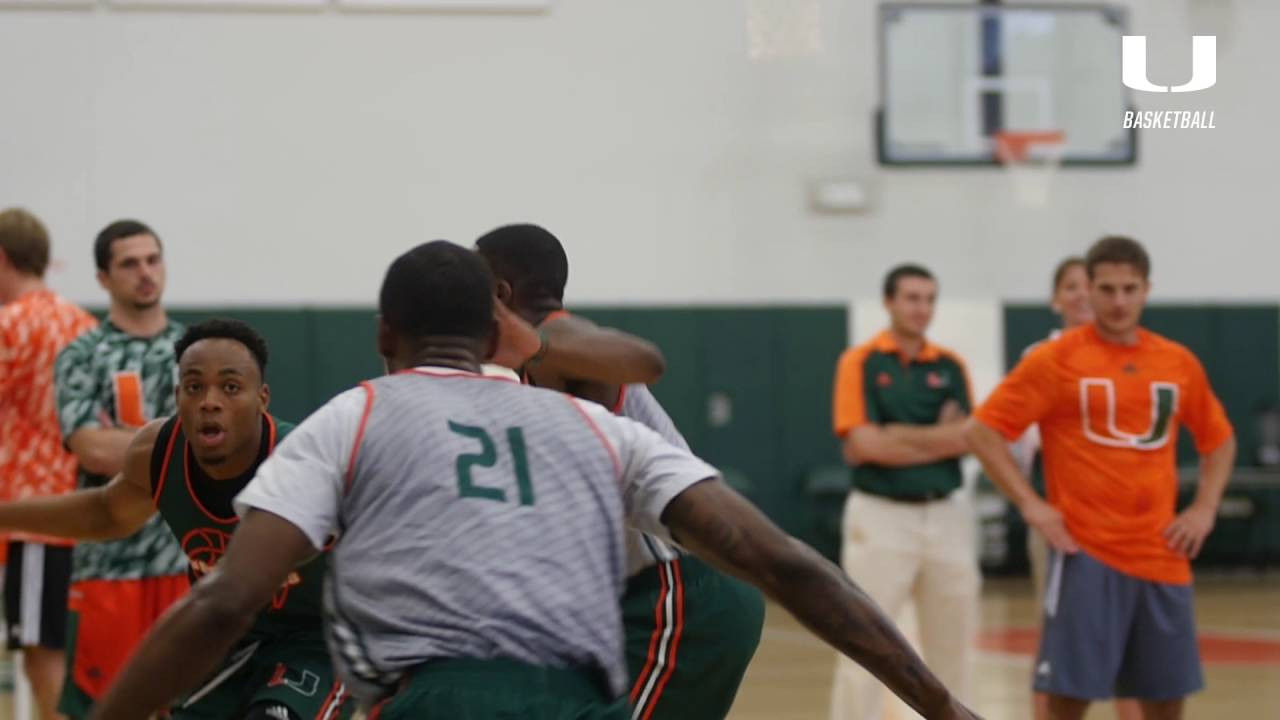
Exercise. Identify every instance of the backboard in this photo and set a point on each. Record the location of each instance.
(954, 76)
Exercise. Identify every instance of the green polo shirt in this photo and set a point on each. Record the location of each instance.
(877, 383)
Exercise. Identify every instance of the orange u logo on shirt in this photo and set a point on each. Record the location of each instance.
(1098, 415)
(130, 408)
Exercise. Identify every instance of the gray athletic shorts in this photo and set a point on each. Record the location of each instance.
(1107, 634)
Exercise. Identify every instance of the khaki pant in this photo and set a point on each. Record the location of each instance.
(924, 552)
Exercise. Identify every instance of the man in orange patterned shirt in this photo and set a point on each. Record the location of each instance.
(1109, 398)
(35, 323)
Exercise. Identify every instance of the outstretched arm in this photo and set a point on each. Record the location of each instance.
(720, 526)
(117, 509)
(212, 617)
(303, 479)
(101, 450)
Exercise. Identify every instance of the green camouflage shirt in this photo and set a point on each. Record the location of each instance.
(131, 380)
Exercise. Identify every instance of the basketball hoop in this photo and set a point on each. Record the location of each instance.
(783, 28)
(1031, 158)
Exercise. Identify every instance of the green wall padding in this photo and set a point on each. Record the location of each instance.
(775, 366)
(343, 343)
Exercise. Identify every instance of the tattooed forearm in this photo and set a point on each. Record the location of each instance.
(835, 609)
(722, 528)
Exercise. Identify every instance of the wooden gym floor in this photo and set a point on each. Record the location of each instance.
(1239, 626)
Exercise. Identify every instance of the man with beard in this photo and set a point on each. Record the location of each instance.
(108, 383)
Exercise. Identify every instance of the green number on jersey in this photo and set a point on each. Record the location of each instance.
(487, 458)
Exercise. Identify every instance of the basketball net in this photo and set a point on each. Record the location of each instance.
(1031, 158)
(783, 28)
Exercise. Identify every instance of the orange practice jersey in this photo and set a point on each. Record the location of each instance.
(1109, 418)
(33, 461)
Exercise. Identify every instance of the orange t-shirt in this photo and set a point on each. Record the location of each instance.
(33, 461)
(1109, 417)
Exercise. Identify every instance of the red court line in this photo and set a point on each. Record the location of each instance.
(1214, 648)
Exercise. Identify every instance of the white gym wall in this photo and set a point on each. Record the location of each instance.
(327, 142)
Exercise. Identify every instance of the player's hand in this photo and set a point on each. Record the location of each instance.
(517, 340)
(1187, 532)
(1044, 517)
(104, 419)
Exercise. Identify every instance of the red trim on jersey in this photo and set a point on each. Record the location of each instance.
(186, 472)
(675, 641)
(364, 422)
(613, 454)
(622, 397)
(164, 465)
(271, 433)
(343, 697)
(332, 702)
(555, 314)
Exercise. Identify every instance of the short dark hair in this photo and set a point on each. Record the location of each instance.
(1064, 267)
(528, 256)
(438, 288)
(118, 230)
(1121, 250)
(228, 329)
(905, 270)
(24, 241)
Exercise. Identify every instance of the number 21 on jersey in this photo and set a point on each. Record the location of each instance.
(487, 458)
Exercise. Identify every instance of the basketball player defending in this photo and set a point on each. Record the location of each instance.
(188, 467)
